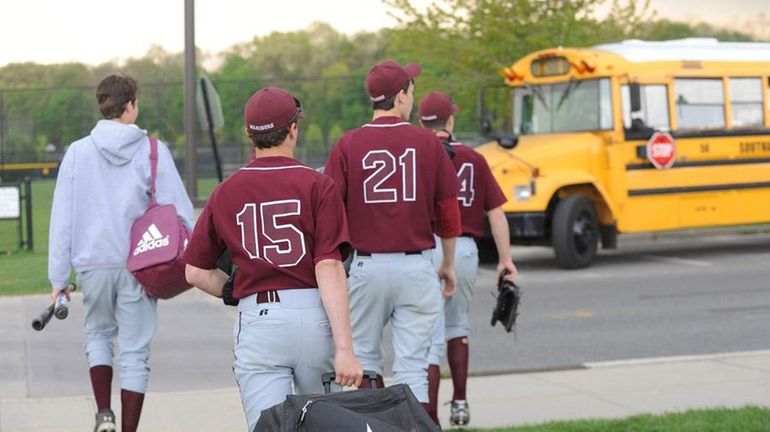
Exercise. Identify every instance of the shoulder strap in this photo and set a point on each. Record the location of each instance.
(153, 168)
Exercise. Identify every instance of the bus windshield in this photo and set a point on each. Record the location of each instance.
(574, 106)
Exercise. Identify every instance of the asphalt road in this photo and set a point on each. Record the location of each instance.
(672, 295)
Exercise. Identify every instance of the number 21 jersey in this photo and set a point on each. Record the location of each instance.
(391, 176)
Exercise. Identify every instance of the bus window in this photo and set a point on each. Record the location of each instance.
(654, 113)
(578, 105)
(700, 103)
(746, 102)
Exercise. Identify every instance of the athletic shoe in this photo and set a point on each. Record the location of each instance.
(461, 413)
(105, 421)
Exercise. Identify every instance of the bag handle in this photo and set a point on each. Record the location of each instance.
(153, 169)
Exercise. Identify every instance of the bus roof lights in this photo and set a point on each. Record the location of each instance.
(511, 76)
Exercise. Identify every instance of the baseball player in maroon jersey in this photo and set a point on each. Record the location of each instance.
(285, 226)
(479, 195)
(396, 179)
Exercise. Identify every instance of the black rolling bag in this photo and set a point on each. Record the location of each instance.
(392, 409)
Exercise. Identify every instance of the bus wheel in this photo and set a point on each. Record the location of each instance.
(575, 232)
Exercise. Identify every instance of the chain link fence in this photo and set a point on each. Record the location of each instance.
(37, 125)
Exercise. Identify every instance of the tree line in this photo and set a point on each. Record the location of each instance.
(460, 44)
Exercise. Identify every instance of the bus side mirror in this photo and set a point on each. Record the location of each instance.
(635, 93)
(507, 141)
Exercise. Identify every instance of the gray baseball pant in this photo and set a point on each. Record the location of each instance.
(455, 321)
(402, 289)
(115, 305)
(280, 344)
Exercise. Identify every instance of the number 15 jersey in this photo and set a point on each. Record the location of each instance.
(278, 218)
(391, 176)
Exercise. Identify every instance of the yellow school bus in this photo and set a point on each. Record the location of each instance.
(629, 137)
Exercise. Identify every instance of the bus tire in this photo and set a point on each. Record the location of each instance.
(575, 232)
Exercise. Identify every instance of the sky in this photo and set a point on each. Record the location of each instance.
(96, 31)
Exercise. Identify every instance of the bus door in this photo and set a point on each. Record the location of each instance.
(643, 209)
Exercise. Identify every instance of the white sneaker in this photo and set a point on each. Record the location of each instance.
(461, 413)
(105, 421)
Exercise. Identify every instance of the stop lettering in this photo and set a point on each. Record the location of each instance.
(661, 150)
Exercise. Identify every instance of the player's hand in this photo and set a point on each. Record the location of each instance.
(447, 275)
(66, 291)
(513, 273)
(347, 368)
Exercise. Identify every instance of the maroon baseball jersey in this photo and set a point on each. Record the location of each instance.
(391, 175)
(479, 191)
(278, 218)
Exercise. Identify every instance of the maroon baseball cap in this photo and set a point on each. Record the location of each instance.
(436, 106)
(270, 109)
(387, 78)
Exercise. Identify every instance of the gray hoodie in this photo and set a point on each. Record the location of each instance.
(100, 190)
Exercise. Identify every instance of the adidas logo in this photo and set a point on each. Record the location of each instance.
(151, 239)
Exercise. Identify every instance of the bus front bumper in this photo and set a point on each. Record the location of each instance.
(525, 228)
(526, 225)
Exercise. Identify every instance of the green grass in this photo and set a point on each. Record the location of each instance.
(747, 419)
(27, 272)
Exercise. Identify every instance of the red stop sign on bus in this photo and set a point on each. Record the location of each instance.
(661, 150)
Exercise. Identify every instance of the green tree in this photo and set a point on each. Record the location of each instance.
(463, 44)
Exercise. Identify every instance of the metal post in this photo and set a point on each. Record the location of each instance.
(189, 99)
(212, 136)
(326, 126)
(2, 134)
(28, 212)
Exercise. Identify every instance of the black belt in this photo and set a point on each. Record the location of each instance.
(467, 235)
(268, 297)
(368, 254)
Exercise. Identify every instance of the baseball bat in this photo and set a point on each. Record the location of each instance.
(59, 308)
(45, 316)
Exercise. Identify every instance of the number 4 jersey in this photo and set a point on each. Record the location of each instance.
(391, 176)
(278, 218)
(479, 191)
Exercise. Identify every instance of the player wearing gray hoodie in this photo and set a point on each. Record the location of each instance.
(102, 187)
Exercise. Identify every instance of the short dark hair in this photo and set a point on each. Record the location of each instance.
(114, 92)
(389, 103)
(270, 139)
(435, 125)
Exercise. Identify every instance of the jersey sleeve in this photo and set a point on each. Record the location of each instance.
(493, 195)
(336, 168)
(447, 183)
(205, 245)
(331, 236)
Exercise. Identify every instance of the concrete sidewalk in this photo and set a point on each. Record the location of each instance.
(601, 390)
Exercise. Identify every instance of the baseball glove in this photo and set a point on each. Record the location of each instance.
(227, 290)
(508, 300)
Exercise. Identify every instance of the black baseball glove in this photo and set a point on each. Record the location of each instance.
(508, 300)
(225, 263)
(227, 290)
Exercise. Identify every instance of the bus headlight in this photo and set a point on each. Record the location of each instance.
(522, 192)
